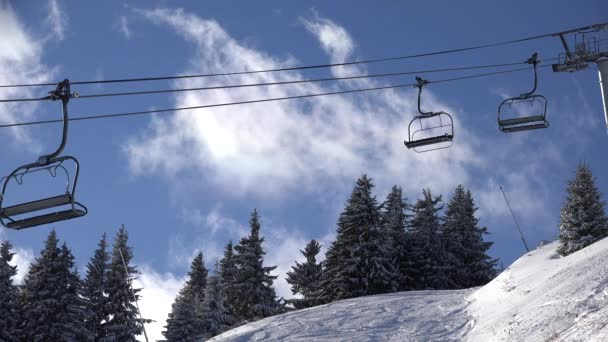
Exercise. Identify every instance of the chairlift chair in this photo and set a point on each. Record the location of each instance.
(433, 130)
(56, 208)
(529, 100)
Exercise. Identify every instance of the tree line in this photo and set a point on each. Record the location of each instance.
(380, 248)
(394, 246)
(55, 304)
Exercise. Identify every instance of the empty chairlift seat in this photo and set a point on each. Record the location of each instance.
(523, 113)
(41, 211)
(50, 209)
(429, 131)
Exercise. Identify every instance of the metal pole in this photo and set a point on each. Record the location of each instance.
(602, 67)
(514, 219)
(141, 320)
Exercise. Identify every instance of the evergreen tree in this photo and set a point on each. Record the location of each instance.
(394, 220)
(185, 321)
(253, 283)
(427, 259)
(583, 217)
(217, 317)
(305, 279)
(470, 266)
(9, 309)
(228, 271)
(124, 323)
(95, 288)
(357, 263)
(79, 308)
(52, 307)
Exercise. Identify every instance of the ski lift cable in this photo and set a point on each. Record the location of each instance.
(395, 86)
(515, 220)
(319, 66)
(149, 92)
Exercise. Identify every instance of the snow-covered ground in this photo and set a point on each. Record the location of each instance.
(541, 297)
(545, 297)
(405, 316)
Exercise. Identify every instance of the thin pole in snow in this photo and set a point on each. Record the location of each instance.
(141, 320)
(514, 219)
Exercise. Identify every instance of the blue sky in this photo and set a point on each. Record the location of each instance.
(186, 182)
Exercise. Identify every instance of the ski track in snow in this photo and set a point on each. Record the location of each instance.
(540, 297)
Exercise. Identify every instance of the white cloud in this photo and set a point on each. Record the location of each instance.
(123, 26)
(57, 20)
(19, 63)
(523, 201)
(335, 41)
(213, 221)
(23, 258)
(157, 295)
(272, 148)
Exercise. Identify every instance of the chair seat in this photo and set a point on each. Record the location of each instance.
(429, 141)
(522, 120)
(29, 207)
(523, 128)
(46, 219)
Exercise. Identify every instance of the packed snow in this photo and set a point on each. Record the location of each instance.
(540, 297)
(411, 316)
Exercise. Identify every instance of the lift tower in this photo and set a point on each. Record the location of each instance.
(590, 46)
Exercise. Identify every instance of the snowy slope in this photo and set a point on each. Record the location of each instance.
(541, 297)
(405, 316)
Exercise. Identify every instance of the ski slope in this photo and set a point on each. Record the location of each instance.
(541, 297)
(405, 316)
(545, 297)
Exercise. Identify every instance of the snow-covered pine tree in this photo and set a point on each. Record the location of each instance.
(426, 256)
(52, 307)
(470, 266)
(305, 278)
(124, 323)
(185, 322)
(228, 272)
(217, 317)
(394, 220)
(357, 263)
(95, 288)
(583, 217)
(9, 310)
(253, 283)
(197, 278)
(79, 309)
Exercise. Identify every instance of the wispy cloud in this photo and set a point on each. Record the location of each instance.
(20, 62)
(123, 26)
(270, 149)
(57, 20)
